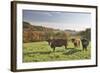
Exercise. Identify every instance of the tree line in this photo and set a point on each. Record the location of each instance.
(32, 33)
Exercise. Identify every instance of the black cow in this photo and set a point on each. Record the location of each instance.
(57, 43)
(85, 43)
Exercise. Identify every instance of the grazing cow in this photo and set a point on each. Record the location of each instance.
(49, 40)
(85, 43)
(76, 42)
(57, 43)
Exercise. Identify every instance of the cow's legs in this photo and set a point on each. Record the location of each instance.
(75, 45)
(53, 49)
(65, 47)
(49, 43)
(86, 49)
(83, 48)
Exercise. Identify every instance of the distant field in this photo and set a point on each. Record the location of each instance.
(41, 51)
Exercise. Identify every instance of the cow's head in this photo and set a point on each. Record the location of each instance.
(49, 41)
(73, 39)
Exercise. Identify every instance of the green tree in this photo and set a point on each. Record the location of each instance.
(86, 34)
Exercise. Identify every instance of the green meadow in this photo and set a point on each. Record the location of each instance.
(42, 52)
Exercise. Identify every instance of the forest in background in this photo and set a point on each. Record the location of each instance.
(33, 33)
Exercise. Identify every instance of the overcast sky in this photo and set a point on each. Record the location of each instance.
(58, 20)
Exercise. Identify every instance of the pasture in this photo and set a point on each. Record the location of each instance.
(42, 52)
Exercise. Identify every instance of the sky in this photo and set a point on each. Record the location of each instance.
(58, 20)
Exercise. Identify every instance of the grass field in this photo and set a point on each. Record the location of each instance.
(41, 51)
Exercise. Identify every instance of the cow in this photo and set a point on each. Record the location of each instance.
(57, 43)
(49, 41)
(85, 43)
(76, 42)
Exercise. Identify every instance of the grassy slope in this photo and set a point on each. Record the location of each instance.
(41, 51)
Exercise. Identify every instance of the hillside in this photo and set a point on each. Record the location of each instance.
(27, 26)
(33, 33)
(72, 32)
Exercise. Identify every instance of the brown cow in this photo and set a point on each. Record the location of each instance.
(76, 42)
